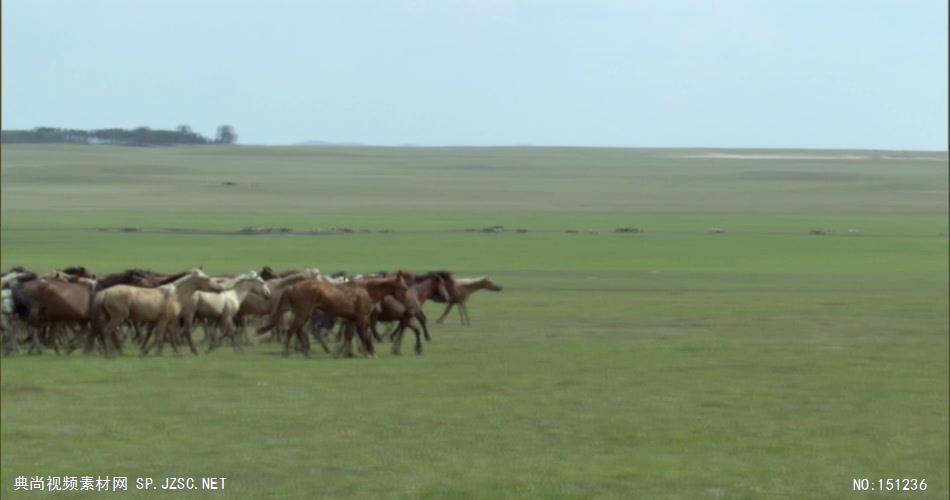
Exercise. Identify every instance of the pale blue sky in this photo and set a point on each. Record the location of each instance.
(795, 73)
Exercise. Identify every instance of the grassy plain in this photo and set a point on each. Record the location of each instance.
(762, 362)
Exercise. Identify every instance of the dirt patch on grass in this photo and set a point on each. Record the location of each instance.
(21, 389)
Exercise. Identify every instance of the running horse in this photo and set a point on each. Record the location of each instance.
(351, 302)
(160, 307)
(463, 289)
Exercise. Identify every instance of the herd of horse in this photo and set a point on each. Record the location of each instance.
(72, 308)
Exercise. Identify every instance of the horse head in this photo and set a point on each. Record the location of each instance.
(202, 281)
(488, 284)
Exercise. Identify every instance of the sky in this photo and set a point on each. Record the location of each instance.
(676, 73)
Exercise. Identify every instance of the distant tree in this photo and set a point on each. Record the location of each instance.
(226, 135)
(141, 136)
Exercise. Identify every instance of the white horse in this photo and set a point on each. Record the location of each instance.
(221, 307)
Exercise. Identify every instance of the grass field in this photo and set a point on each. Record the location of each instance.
(763, 362)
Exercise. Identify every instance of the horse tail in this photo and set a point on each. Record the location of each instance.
(282, 306)
(23, 305)
(95, 311)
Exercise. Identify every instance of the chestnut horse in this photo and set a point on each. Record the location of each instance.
(422, 288)
(258, 305)
(352, 302)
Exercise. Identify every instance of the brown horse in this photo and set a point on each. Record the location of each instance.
(351, 302)
(421, 289)
(49, 303)
(256, 305)
(159, 306)
(461, 291)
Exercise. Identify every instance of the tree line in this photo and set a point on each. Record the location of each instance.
(141, 136)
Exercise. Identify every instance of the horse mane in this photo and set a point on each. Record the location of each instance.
(76, 271)
(469, 281)
(116, 279)
(233, 282)
(287, 280)
(445, 275)
(173, 278)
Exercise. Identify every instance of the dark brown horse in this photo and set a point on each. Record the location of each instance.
(79, 272)
(421, 289)
(47, 304)
(351, 302)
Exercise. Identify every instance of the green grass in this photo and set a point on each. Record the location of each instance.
(763, 362)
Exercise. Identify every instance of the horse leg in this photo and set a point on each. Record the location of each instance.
(9, 336)
(296, 325)
(319, 336)
(372, 328)
(396, 337)
(445, 313)
(36, 347)
(108, 331)
(366, 337)
(463, 313)
(345, 348)
(175, 333)
(116, 341)
(418, 338)
(161, 332)
(52, 333)
(304, 341)
(341, 331)
(227, 324)
(421, 317)
(191, 343)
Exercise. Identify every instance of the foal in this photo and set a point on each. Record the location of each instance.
(463, 288)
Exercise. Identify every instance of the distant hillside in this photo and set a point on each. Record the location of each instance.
(327, 143)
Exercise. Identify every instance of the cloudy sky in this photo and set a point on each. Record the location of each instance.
(757, 73)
